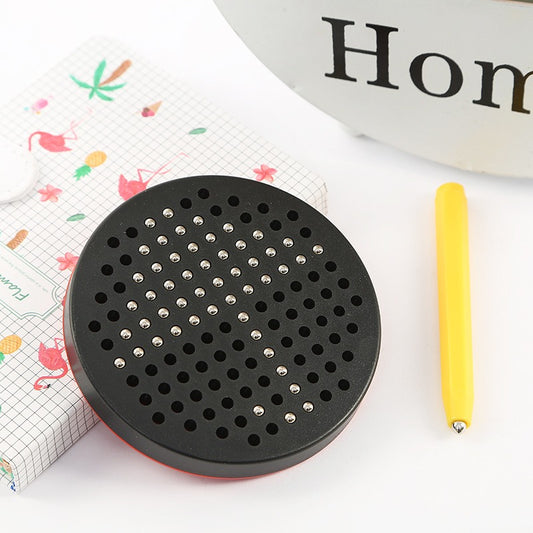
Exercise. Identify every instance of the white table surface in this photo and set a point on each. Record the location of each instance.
(397, 466)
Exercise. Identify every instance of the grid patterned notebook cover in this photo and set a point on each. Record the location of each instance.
(103, 125)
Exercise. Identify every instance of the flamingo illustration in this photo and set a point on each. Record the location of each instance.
(55, 143)
(52, 359)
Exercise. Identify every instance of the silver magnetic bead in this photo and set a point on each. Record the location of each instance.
(205, 264)
(132, 305)
(192, 247)
(243, 317)
(223, 254)
(288, 242)
(119, 362)
(253, 262)
(248, 289)
(175, 330)
(308, 407)
(283, 269)
(138, 351)
(268, 353)
(266, 279)
(300, 259)
(198, 220)
(199, 292)
(137, 277)
(270, 252)
(163, 312)
(169, 284)
(174, 257)
(186, 275)
(162, 240)
(281, 370)
(149, 223)
(230, 299)
(317, 249)
(125, 334)
(144, 323)
(180, 230)
(218, 282)
(210, 237)
(240, 244)
(156, 267)
(212, 309)
(194, 320)
(144, 249)
(290, 418)
(257, 234)
(181, 302)
(228, 228)
(235, 272)
(157, 341)
(168, 213)
(294, 388)
(256, 334)
(150, 295)
(258, 410)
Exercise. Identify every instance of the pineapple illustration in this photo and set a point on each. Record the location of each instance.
(8, 345)
(94, 159)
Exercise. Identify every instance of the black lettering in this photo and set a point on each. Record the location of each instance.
(456, 76)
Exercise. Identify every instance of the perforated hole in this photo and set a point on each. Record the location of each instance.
(227, 402)
(216, 210)
(254, 440)
(113, 242)
(158, 418)
(203, 194)
(177, 406)
(119, 287)
(241, 421)
(233, 201)
(276, 399)
(272, 429)
(261, 306)
(325, 395)
(220, 356)
(132, 380)
(275, 225)
(190, 425)
(132, 232)
(151, 370)
(305, 233)
(107, 270)
(100, 297)
(94, 326)
(344, 384)
(145, 399)
(107, 344)
(278, 296)
(170, 359)
(209, 414)
(113, 315)
(291, 314)
(356, 300)
(263, 208)
(186, 203)
(163, 388)
(183, 377)
(125, 259)
(292, 215)
(312, 377)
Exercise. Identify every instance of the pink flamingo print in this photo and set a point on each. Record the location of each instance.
(52, 359)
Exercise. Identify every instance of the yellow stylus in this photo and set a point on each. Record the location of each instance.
(454, 305)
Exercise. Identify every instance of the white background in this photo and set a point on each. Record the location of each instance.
(397, 466)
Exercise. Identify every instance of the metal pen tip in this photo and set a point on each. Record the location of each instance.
(459, 426)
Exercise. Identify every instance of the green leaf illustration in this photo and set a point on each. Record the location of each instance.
(98, 73)
(102, 96)
(76, 217)
(111, 87)
(197, 131)
(80, 83)
(82, 171)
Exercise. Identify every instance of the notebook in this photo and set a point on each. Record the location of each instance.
(102, 126)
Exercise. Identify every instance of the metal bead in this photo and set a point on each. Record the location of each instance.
(205, 264)
(308, 407)
(180, 230)
(169, 284)
(256, 335)
(268, 353)
(235, 272)
(259, 410)
(266, 279)
(281, 370)
(162, 240)
(257, 234)
(163, 312)
(168, 213)
(119, 362)
(198, 220)
(192, 247)
(157, 341)
(149, 223)
(174, 257)
(175, 330)
(253, 262)
(125, 334)
(228, 228)
(181, 303)
(317, 249)
(288, 242)
(156, 267)
(210, 237)
(132, 305)
(150, 295)
(137, 277)
(144, 323)
(283, 269)
(290, 418)
(270, 252)
(212, 309)
(300, 259)
(223, 254)
(144, 249)
(186, 275)
(138, 351)
(230, 299)
(243, 317)
(294, 388)
(248, 289)
(200, 292)
(218, 282)
(240, 244)
(194, 320)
